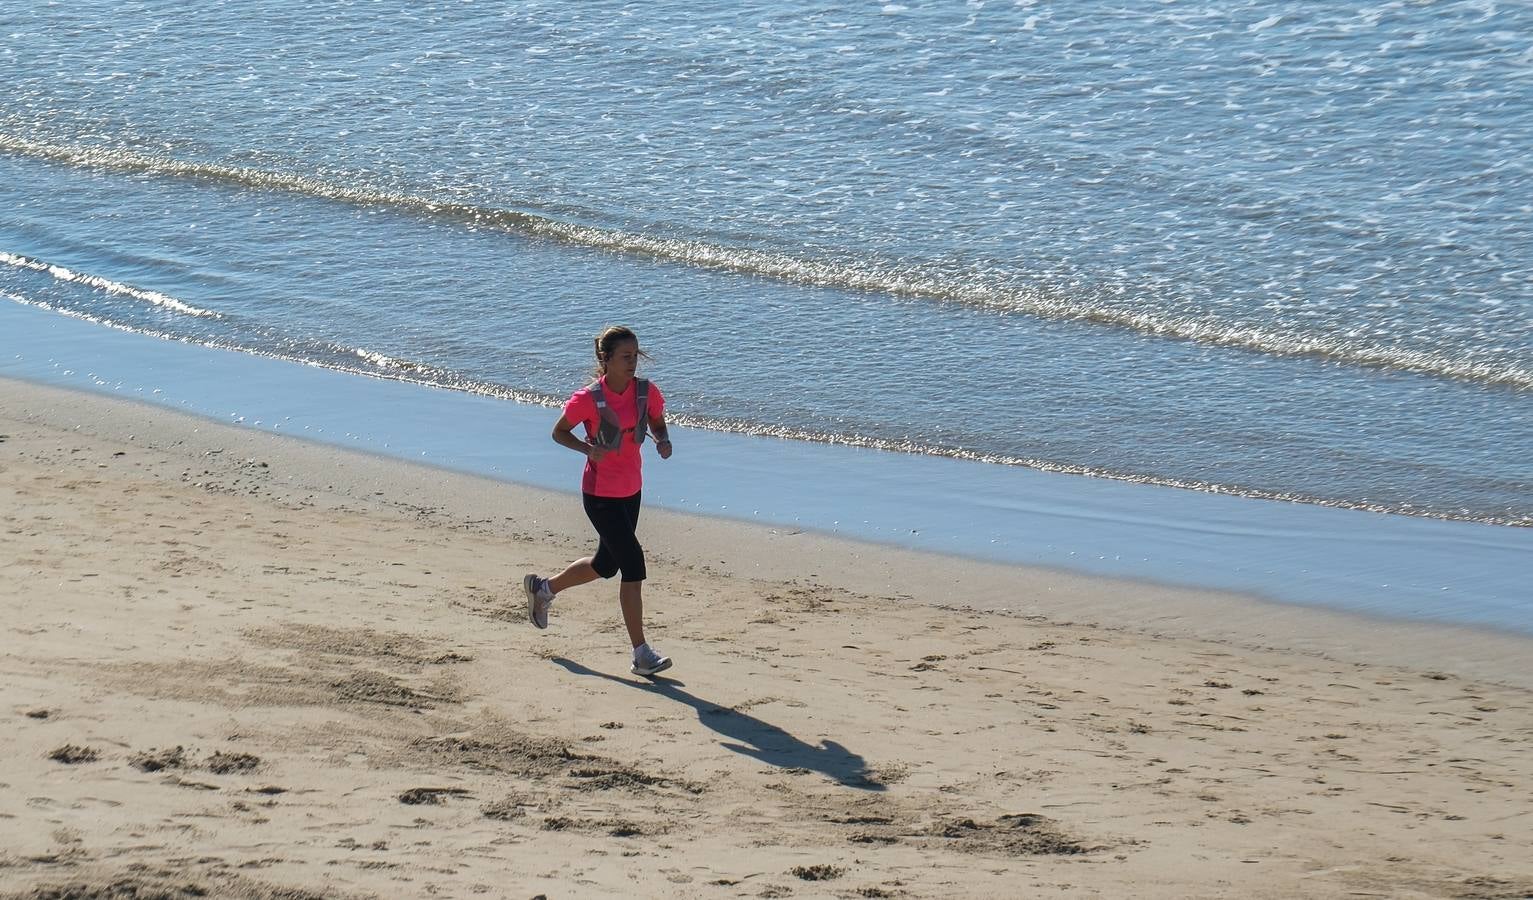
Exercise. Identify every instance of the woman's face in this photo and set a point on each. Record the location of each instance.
(623, 359)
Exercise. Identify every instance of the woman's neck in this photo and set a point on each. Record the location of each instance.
(617, 383)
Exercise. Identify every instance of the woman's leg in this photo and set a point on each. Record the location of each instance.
(575, 574)
(631, 597)
(615, 521)
(622, 543)
(630, 592)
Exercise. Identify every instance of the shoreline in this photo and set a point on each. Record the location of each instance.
(777, 552)
(253, 665)
(1374, 565)
(1379, 566)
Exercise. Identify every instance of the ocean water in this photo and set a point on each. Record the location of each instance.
(1276, 249)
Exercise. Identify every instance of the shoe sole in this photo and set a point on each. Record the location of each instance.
(664, 664)
(530, 588)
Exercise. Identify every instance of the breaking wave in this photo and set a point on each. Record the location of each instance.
(859, 275)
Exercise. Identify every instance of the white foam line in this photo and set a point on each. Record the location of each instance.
(164, 301)
(390, 369)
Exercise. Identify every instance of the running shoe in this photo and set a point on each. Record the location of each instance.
(538, 599)
(647, 662)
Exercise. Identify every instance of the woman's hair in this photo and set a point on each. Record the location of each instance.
(607, 341)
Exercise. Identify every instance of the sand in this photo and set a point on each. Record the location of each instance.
(240, 665)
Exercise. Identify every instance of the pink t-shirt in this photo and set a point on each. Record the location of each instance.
(620, 472)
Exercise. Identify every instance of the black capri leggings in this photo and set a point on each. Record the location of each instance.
(615, 519)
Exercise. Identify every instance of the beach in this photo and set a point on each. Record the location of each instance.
(253, 666)
(1101, 450)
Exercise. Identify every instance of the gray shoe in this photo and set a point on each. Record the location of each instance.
(647, 662)
(539, 597)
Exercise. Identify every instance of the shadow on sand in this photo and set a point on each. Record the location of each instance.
(756, 739)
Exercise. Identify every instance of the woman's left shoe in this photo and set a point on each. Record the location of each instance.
(647, 662)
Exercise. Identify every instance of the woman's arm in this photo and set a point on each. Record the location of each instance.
(662, 436)
(564, 436)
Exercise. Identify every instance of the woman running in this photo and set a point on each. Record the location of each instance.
(617, 410)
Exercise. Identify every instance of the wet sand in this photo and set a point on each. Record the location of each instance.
(251, 666)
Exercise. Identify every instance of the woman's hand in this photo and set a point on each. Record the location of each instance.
(595, 453)
(663, 447)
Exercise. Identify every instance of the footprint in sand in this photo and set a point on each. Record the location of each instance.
(71, 754)
(222, 763)
(430, 795)
(156, 760)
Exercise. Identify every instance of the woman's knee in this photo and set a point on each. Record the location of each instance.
(632, 568)
(605, 563)
(631, 562)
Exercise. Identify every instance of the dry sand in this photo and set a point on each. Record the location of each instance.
(241, 665)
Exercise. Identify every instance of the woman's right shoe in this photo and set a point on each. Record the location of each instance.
(539, 597)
